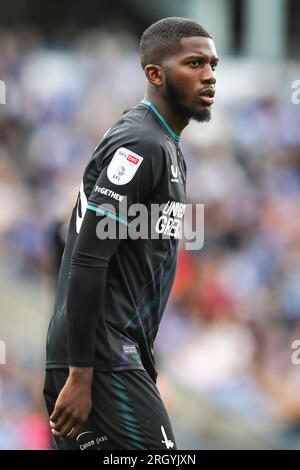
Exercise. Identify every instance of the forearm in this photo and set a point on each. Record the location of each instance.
(86, 292)
(85, 310)
(81, 374)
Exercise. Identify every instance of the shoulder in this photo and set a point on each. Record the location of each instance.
(139, 125)
(139, 134)
(135, 131)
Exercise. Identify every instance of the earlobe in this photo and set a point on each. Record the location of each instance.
(154, 74)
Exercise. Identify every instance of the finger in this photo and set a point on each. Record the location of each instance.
(75, 432)
(56, 414)
(66, 429)
(60, 422)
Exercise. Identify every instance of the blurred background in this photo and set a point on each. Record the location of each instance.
(225, 345)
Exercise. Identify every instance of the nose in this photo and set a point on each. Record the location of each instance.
(208, 75)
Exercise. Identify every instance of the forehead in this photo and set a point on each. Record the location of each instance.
(196, 46)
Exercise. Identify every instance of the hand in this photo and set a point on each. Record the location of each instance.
(74, 404)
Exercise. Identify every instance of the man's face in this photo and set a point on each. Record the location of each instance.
(190, 78)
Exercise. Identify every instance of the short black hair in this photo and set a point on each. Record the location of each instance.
(163, 38)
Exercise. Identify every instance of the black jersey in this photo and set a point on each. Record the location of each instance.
(138, 161)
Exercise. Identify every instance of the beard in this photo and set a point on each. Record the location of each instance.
(177, 97)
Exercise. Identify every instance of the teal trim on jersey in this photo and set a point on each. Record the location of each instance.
(128, 420)
(108, 214)
(136, 315)
(146, 308)
(162, 119)
(155, 327)
(157, 269)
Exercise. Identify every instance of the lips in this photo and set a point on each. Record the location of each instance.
(209, 101)
(207, 96)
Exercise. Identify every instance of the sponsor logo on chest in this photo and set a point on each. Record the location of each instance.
(174, 172)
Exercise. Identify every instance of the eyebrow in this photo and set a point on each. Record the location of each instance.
(202, 56)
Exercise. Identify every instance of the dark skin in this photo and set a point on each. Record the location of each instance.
(192, 70)
(74, 403)
(182, 88)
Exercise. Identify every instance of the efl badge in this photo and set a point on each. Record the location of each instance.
(123, 166)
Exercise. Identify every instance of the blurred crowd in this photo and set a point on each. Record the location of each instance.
(235, 308)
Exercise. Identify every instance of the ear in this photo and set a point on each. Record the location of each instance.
(154, 74)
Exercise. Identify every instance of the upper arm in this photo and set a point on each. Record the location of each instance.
(128, 177)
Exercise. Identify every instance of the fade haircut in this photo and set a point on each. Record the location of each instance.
(162, 38)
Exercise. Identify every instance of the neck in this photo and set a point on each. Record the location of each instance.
(176, 122)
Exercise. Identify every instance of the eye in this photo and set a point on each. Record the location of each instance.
(195, 63)
(214, 66)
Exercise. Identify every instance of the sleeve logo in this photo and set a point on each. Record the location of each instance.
(123, 166)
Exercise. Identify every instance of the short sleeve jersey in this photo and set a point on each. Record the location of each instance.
(136, 179)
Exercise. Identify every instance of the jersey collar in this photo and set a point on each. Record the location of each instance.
(162, 120)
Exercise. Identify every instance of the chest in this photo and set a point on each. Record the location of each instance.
(173, 183)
